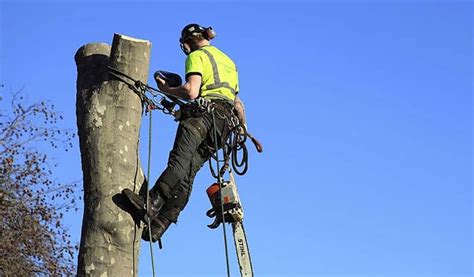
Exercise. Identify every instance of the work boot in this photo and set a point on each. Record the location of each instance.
(139, 201)
(156, 203)
(159, 225)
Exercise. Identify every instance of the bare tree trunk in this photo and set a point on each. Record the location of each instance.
(108, 118)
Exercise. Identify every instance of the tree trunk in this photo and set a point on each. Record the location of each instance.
(108, 118)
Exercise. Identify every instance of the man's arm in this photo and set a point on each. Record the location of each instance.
(189, 90)
(240, 108)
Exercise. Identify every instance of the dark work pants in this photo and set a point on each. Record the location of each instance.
(190, 151)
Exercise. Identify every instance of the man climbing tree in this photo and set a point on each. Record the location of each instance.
(212, 79)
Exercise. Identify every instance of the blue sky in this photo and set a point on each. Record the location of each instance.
(364, 109)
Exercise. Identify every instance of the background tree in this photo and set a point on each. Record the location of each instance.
(33, 239)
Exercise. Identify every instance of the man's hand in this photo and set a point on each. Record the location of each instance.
(162, 85)
(242, 129)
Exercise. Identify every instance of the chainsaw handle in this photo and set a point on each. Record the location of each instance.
(257, 143)
(211, 213)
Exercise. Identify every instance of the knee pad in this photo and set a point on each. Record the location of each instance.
(167, 183)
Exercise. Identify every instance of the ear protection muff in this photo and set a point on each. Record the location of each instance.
(185, 47)
(209, 33)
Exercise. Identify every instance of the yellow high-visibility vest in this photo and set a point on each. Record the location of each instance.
(219, 73)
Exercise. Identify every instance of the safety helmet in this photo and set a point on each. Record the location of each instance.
(193, 30)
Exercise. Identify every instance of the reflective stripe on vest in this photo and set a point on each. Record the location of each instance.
(215, 72)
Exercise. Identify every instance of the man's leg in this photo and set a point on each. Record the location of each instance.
(189, 136)
(171, 210)
(175, 183)
(187, 157)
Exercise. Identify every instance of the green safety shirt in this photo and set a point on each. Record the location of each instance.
(219, 73)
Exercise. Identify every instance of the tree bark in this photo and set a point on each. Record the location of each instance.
(108, 118)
